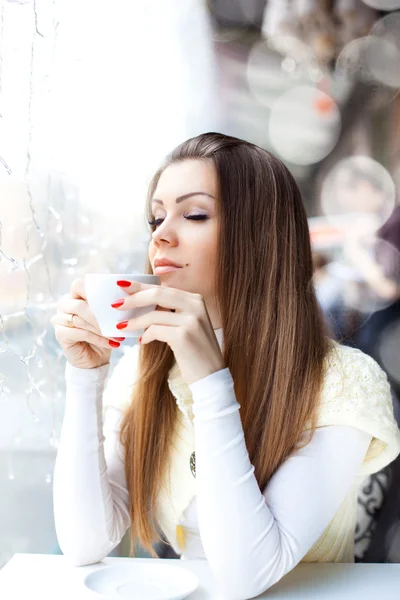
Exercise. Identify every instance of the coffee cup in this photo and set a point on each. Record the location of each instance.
(102, 290)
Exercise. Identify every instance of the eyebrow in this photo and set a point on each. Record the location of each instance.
(185, 197)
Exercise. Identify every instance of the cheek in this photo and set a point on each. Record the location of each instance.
(206, 257)
(202, 246)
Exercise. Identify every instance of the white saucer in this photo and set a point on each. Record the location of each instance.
(145, 581)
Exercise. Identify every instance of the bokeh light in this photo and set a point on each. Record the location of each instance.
(345, 285)
(269, 73)
(292, 46)
(304, 125)
(353, 264)
(384, 57)
(388, 27)
(363, 61)
(358, 186)
(383, 4)
(277, 65)
(340, 287)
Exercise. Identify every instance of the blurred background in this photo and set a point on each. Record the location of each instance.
(93, 94)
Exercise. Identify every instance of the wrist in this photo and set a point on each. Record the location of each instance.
(79, 375)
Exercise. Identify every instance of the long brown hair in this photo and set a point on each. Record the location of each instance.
(274, 336)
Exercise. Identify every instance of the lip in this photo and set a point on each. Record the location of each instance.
(165, 262)
(165, 269)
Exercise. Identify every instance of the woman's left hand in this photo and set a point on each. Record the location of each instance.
(188, 331)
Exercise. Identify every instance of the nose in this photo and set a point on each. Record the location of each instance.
(168, 236)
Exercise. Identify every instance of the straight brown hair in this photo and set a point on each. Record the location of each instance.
(274, 336)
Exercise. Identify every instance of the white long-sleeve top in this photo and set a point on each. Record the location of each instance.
(250, 537)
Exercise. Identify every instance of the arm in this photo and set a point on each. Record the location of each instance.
(252, 539)
(89, 491)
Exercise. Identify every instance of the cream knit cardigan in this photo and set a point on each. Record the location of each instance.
(356, 392)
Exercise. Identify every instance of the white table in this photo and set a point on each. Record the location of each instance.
(51, 577)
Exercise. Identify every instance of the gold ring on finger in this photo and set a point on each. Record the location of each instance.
(70, 320)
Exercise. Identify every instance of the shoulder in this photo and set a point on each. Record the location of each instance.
(350, 374)
(356, 392)
(119, 387)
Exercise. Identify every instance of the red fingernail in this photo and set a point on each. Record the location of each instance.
(123, 283)
(117, 304)
(140, 339)
(114, 344)
(119, 339)
(122, 325)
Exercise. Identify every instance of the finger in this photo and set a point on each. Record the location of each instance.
(78, 289)
(81, 335)
(155, 317)
(78, 307)
(63, 320)
(169, 298)
(169, 335)
(134, 286)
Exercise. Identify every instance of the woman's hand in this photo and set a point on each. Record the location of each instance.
(188, 331)
(83, 344)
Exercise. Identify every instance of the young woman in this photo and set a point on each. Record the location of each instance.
(236, 426)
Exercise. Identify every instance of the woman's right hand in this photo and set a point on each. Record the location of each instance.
(83, 345)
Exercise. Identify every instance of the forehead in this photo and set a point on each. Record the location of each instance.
(185, 177)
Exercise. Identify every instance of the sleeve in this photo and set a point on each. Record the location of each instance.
(118, 391)
(252, 539)
(357, 393)
(91, 500)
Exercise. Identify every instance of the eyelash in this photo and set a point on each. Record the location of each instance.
(156, 222)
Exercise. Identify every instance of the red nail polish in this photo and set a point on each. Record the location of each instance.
(119, 339)
(122, 325)
(123, 283)
(114, 344)
(140, 339)
(117, 304)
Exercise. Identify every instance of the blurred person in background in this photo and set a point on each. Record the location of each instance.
(325, 286)
(382, 274)
(365, 278)
(330, 291)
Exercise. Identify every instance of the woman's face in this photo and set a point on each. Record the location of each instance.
(189, 242)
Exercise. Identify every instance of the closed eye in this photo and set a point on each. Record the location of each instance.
(158, 222)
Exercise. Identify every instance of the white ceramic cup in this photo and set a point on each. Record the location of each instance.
(102, 290)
